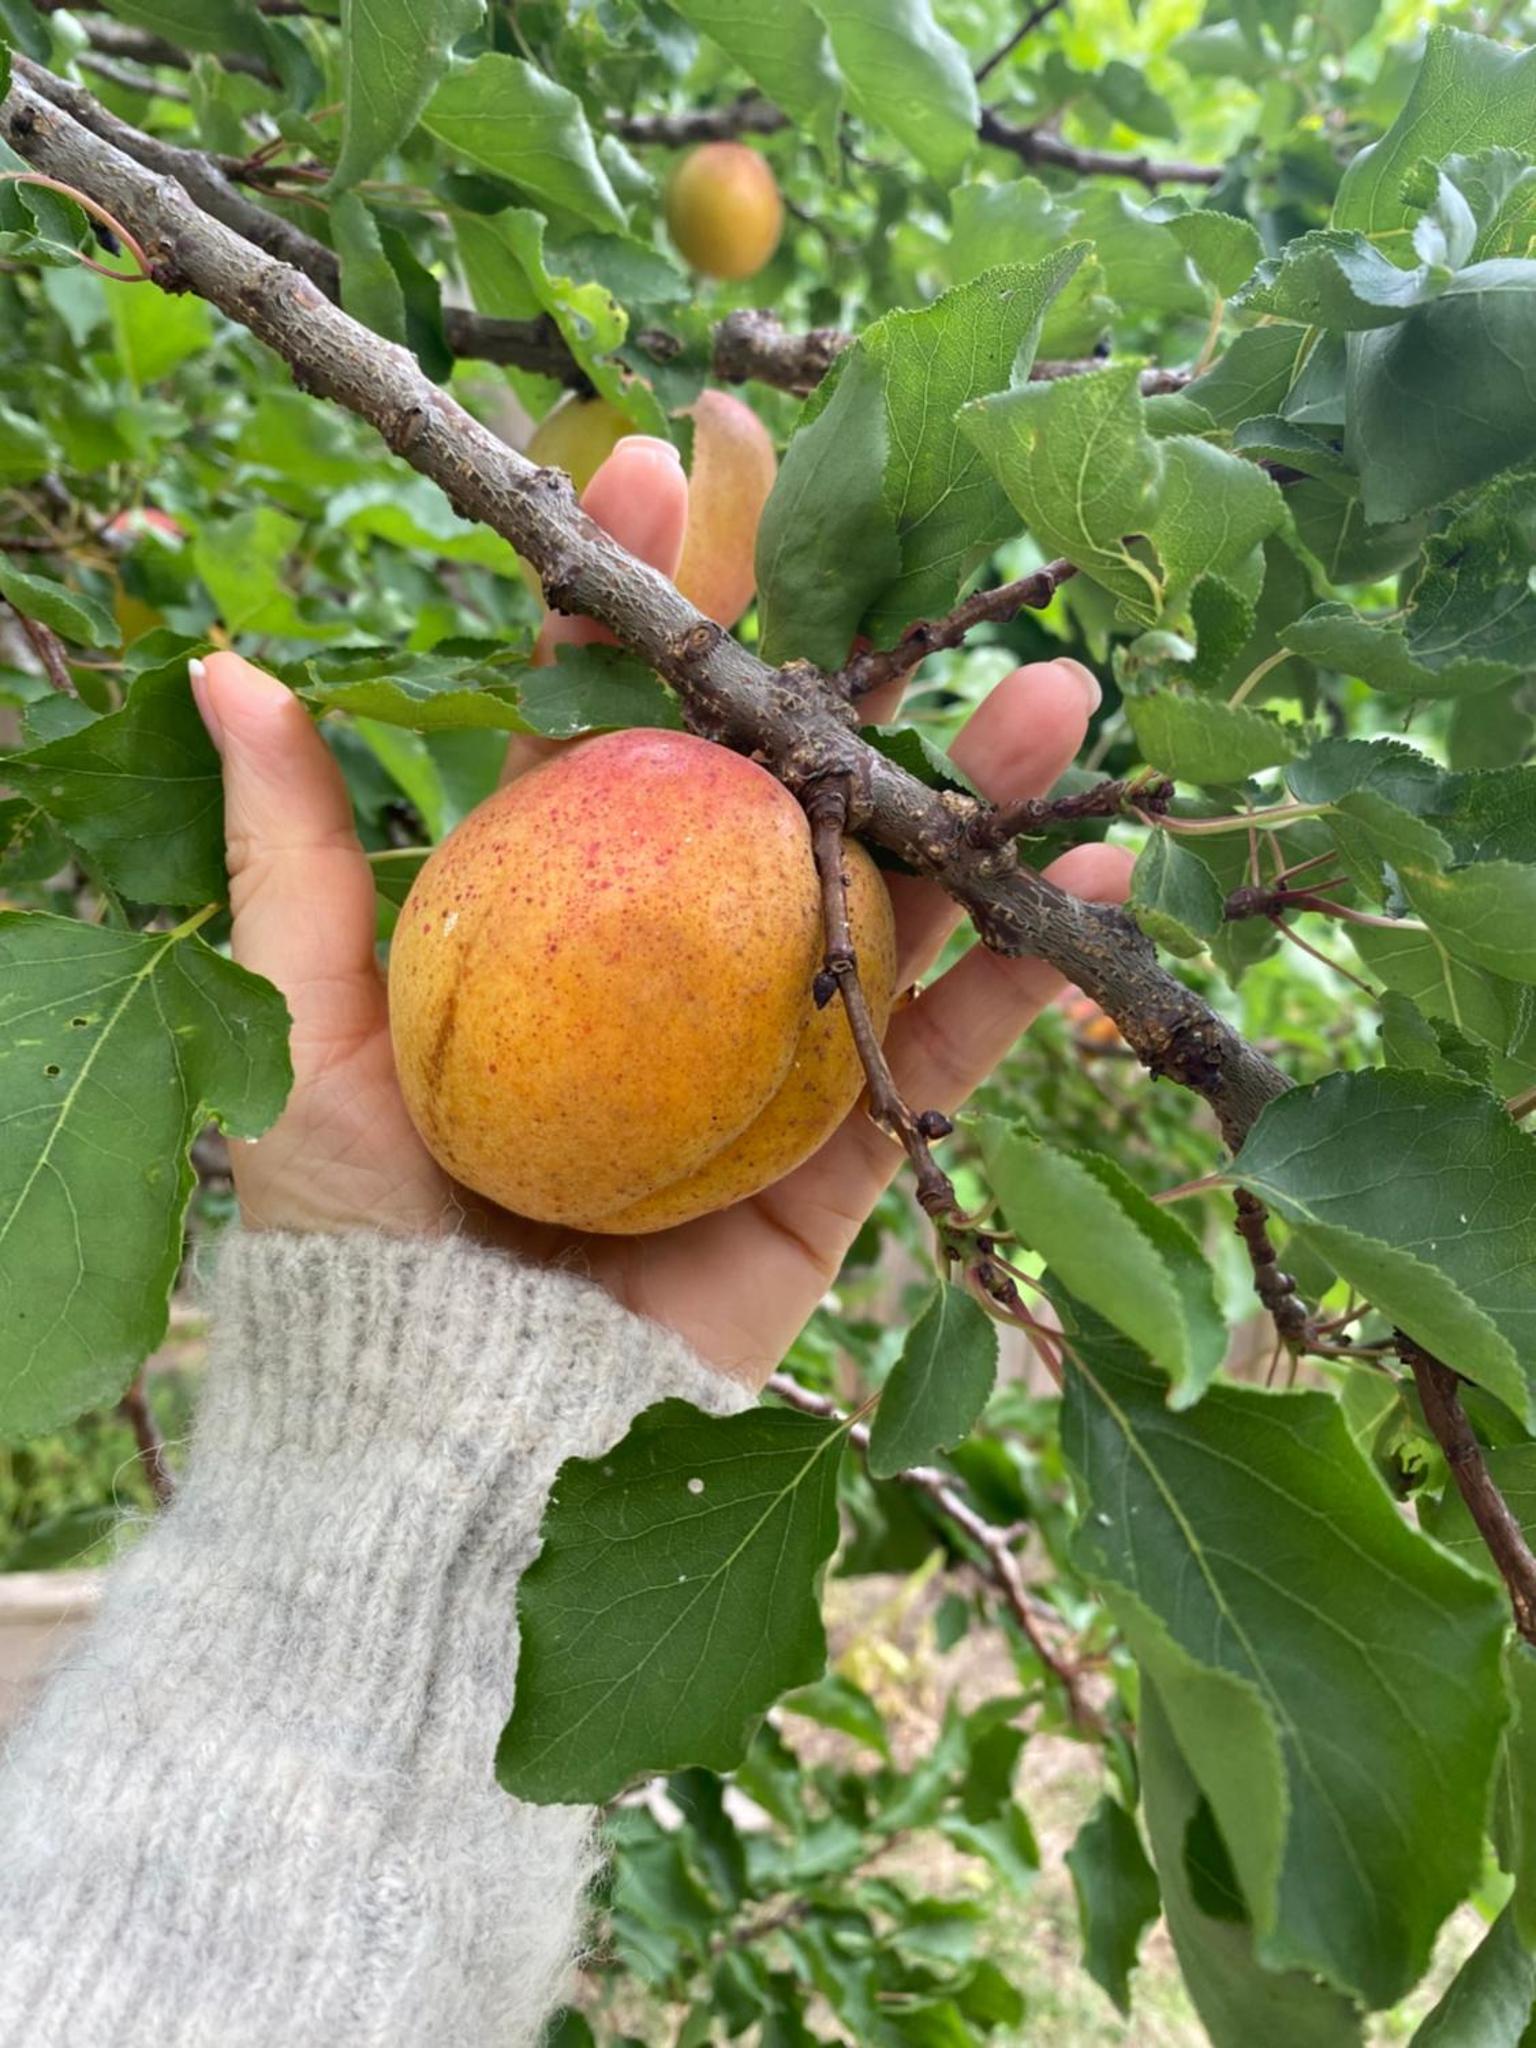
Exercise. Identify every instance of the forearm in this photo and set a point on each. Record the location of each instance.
(259, 1802)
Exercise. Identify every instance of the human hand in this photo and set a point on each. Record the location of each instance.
(345, 1155)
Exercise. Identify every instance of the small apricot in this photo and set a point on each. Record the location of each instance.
(601, 987)
(723, 210)
(578, 435)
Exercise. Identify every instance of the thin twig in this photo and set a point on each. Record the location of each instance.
(1147, 796)
(877, 667)
(1275, 1289)
(1440, 1398)
(146, 1434)
(1026, 28)
(1035, 146)
(748, 115)
(49, 649)
(995, 1545)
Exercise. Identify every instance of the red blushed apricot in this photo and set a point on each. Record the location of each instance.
(578, 435)
(723, 210)
(733, 471)
(600, 987)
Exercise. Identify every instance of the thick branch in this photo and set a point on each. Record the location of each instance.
(1035, 146)
(754, 345)
(139, 46)
(792, 719)
(749, 115)
(872, 670)
(1440, 1399)
(1001, 1566)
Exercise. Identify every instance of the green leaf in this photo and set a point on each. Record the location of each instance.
(1241, 2003)
(139, 792)
(1175, 898)
(1223, 247)
(198, 24)
(939, 1384)
(1488, 2002)
(115, 1047)
(27, 450)
(1112, 1248)
(24, 29)
(1421, 1192)
(370, 290)
(1330, 1677)
(1123, 90)
(1339, 281)
(156, 332)
(1021, 222)
(1458, 368)
(1199, 740)
(1498, 1013)
(427, 692)
(1252, 375)
(594, 689)
(1117, 1896)
(906, 73)
(71, 613)
(1485, 914)
(393, 52)
(513, 121)
(836, 1702)
(910, 748)
(827, 539)
(785, 50)
(1075, 458)
(674, 1599)
(1514, 1810)
(31, 846)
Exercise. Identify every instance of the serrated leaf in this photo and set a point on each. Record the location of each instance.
(427, 692)
(244, 560)
(1485, 913)
(1223, 247)
(907, 74)
(72, 614)
(827, 538)
(115, 1047)
(139, 791)
(1124, 92)
(1174, 896)
(674, 1599)
(1488, 2002)
(1199, 740)
(1421, 1191)
(1117, 1896)
(1112, 1248)
(1252, 375)
(594, 689)
(939, 1384)
(1330, 1677)
(509, 118)
(785, 50)
(1240, 2002)
(1500, 1014)
(1338, 280)
(1019, 221)
(393, 52)
(910, 748)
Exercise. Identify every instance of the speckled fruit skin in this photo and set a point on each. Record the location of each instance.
(600, 987)
(723, 210)
(733, 471)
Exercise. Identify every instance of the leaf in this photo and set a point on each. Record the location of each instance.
(139, 791)
(1175, 898)
(115, 1047)
(1488, 2002)
(393, 52)
(1330, 1677)
(1223, 247)
(826, 539)
(1125, 93)
(906, 73)
(244, 561)
(1117, 1896)
(595, 689)
(1485, 914)
(155, 331)
(71, 613)
(370, 290)
(1020, 222)
(938, 1386)
(1340, 281)
(1112, 1248)
(1498, 1013)
(1241, 2003)
(785, 50)
(674, 1599)
(1198, 740)
(198, 24)
(910, 748)
(513, 121)
(836, 1702)
(427, 692)
(1252, 375)
(1075, 457)
(22, 27)
(27, 450)
(1458, 367)
(31, 847)
(1421, 1192)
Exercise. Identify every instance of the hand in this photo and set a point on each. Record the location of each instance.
(344, 1155)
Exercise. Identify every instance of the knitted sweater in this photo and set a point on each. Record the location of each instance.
(257, 1806)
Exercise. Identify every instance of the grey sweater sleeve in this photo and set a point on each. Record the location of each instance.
(258, 1803)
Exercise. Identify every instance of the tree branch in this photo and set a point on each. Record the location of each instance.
(1035, 146)
(1001, 1564)
(49, 649)
(1275, 1289)
(755, 346)
(1025, 29)
(1148, 796)
(875, 668)
(792, 719)
(146, 1434)
(748, 115)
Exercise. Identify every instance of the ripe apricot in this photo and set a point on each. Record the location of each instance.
(724, 211)
(600, 987)
(578, 435)
(732, 472)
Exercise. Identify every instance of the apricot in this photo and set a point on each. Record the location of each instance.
(723, 210)
(578, 435)
(601, 987)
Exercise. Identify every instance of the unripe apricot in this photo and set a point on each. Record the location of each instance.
(724, 211)
(600, 987)
(578, 435)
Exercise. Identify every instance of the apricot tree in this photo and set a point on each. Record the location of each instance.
(1252, 430)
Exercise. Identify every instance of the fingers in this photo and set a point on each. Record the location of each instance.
(640, 496)
(300, 887)
(1025, 734)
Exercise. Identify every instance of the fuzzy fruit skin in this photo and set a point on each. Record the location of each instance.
(734, 467)
(578, 435)
(724, 211)
(600, 987)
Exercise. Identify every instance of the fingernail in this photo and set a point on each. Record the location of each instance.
(653, 441)
(1087, 678)
(197, 675)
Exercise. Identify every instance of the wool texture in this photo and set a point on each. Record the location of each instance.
(257, 1804)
